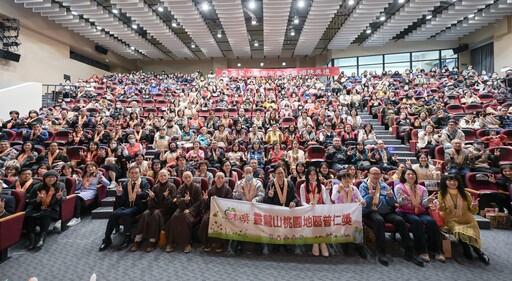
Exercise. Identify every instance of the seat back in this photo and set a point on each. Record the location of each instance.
(480, 181)
(20, 197)
(202, 182)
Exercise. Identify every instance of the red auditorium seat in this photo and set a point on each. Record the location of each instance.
(11, 226)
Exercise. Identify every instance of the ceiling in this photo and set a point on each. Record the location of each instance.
(204, 29)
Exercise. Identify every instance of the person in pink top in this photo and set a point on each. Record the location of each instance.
(344, 192)
(413, 201)
(312, 192)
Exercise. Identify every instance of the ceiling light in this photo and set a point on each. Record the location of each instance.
(98, 28)
(132, 47)
(292, 32)
(351, 2)
(429, 16)
(256, 44)
(369, 30)
(252, 5)
(174, 23)
(219, 33)
(296, 20)
(401, 1)
(283, 64)
(239, 64)
(300, 4)
(74, 13)
(193, 45)
(254, 21)
(471, 16)
(115, 11)
(205, 6)
(134, 25)
(160, 8)
(382, 17)
(262, 64)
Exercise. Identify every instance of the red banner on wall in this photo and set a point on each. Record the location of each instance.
(274, 72)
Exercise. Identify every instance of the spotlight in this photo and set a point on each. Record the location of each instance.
(219, 33)
(252, 5)
(193, 45)
(300, 4)
(160, 8)
(239, 64)
(292, 32)
(351, 2)
(256, 44)
(205, 6)
(254, 21)
(296, 20)
(262, 64)
(134, 25)
(369, 30)
(283, 64)
(174, 23)
(382, 17)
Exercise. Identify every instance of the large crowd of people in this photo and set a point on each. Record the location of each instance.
(149, 136)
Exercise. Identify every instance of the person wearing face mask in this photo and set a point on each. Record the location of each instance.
(33, 117)
(134, 147)
(251, 190)
(221, 190)
(117, 110)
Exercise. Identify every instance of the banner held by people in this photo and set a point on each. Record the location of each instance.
(255, 222)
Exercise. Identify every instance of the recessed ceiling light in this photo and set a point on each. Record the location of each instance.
(174, 23)
(132, 47)
(351, 2)
(160, 8)
(256, 44)
(239, 64)
(252, 5)
(262, 64)
(369, 30)
(292, 32)
(74, 13)
(382, 17)
(401, 1)
(429, 16)
(284, 63)
(219, 33)
(115, 11)
(254, 21)
(193, 45)
(98, 28)
(471, 16)
(134, 25)
(205, 6)
(300, 4)
(296, 20)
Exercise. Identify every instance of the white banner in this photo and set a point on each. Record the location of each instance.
(256, 222)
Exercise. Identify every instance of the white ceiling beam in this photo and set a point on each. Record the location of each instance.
(231, 16)
(406, 16)
(458, 11)
(319, 16)
(139, 11)
(358, 21)
(192, 21)
(275, 20)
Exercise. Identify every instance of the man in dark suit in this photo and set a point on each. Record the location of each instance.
(130, 198)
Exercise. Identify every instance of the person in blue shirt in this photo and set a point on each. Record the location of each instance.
(380, 201)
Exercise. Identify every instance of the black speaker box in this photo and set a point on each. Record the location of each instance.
(100, 49)
(7, 55)
(460, 49)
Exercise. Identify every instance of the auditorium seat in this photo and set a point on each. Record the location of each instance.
(11, 226)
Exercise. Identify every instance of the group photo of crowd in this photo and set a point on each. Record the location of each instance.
(163, 144)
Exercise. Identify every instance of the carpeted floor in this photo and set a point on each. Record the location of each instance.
(73, 255)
